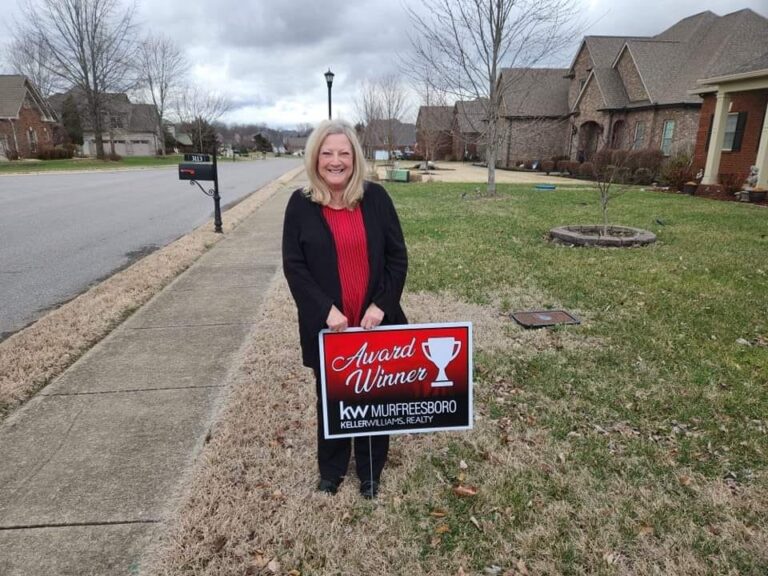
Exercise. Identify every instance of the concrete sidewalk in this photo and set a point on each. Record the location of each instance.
(89, 468)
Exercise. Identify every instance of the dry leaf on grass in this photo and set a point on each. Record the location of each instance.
(274, 566)
(438, 513)
(475, 523)
(465, 491)
(442, 529)
(645, 530)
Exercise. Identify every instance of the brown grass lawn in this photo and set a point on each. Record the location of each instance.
(252, 507)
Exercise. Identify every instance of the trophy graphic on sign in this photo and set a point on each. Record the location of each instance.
(441, 352)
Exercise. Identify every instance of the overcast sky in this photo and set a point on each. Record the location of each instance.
(269, 56)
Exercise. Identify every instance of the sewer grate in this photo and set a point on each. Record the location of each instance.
(542, 318)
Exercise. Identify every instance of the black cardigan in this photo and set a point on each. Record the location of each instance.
(310, 266)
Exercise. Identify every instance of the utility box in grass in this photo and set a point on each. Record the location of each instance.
(399, 175)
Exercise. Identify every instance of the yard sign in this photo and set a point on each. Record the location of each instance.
(396, 379)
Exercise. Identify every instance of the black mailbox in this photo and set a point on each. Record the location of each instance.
(196, 171)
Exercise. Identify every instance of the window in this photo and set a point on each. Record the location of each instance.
(734, 131)
(666, 137)
(639, 136)
(32, 137)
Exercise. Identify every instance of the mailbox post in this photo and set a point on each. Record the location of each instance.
(203, 167)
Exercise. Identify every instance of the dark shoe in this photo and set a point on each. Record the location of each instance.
(369, 489)
(328, 486)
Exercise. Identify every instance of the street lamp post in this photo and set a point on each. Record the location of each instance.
(329, 80)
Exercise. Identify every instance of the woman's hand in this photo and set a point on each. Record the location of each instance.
(372, 317)
(336, 321)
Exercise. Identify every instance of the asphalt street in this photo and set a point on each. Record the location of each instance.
(60, 233)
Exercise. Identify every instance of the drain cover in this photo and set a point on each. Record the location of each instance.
(541, 318)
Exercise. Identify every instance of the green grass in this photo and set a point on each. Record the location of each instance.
(670, 391)
(26, 166)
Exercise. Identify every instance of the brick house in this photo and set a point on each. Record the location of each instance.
(469, 128)
(388, 135)
(734, 114)
(643, 98)
(129, 129)
(433, 132)
(27, 122)
(625, 92)
(535, 109)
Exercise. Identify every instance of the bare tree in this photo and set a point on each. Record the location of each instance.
(90, 45)
(31, 58)
(304, 129)
(368, 107)
(162, 69)
(393, 107)
(435, 117)
(380, 105)
(199, 109)
(464, 44)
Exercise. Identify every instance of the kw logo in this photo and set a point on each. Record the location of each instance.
(350, 412)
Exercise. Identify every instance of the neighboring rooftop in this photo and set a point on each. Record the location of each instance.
(535, 92)
(13, 90)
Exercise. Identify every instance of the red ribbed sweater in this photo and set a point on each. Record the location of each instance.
(348, 231)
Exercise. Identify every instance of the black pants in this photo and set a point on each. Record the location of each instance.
(333, 455)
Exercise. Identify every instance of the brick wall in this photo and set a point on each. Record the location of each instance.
(633, 84)
(580, 65)
(738, 162)
(29, 117)
(534, 139)
(439, 142)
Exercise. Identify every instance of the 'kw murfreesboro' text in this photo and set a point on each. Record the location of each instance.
(365, 378)
(398, 413)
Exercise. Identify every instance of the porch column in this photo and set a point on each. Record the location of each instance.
(712, 167)
(762, 154)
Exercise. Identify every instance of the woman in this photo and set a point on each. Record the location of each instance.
(345, 261)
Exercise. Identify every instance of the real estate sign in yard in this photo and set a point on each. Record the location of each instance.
(396, 379)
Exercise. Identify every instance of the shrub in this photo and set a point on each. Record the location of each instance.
(573, 167)
(12, 154)
(559, 158)
(650, 159)
(562, 166)
(731, 181)
(677, 170)
(619, 157)
(601, 159)
(58, 153)
(114, 157)
(623, 174)
(643, 176)
(528, 164)
(547, 166)
(587, 170)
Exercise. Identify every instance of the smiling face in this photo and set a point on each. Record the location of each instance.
(335, 163)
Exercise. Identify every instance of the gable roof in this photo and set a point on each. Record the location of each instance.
(470, 115)
(377, 132)
(602, 50)
(14, 88)
(708, 46)
(535, 92)
(437, 117)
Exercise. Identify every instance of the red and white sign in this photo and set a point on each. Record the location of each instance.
(396, 379)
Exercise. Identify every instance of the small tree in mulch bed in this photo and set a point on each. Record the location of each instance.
(609, 171)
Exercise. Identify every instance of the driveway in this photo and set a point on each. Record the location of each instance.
(461, 172)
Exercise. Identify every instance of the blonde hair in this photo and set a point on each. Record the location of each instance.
(318, 190)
